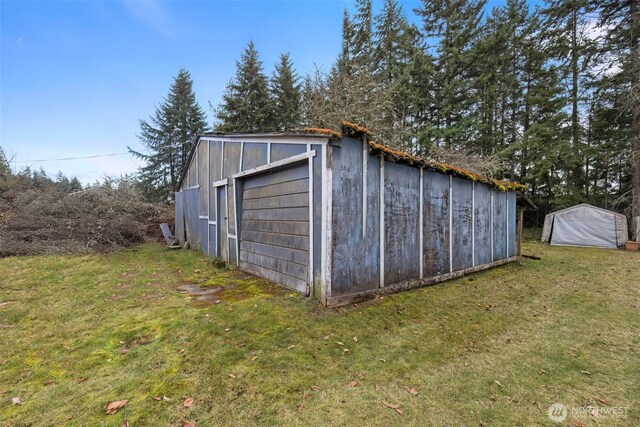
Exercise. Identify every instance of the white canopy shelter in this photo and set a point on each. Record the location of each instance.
(585, 225)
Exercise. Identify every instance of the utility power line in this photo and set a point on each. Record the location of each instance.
(69, 158)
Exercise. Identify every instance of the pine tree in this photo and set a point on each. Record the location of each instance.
(286, 96)
(401, 67)
(5, 168)
(362, 39)
(568, 24)
(621, 58)
(246, 106)
(454, 25)
(168, 138)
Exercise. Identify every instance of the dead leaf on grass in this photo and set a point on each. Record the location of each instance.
(412, 390)
(253, 358)
(112, 407)
(315, 387)
(187, 402)
(392, 406)
(355, 339)
(499, 384)
(586, 372)
(339, 343)
(16, 401)
(378, 387)
(186, 423)
(291, 346)
(353, 383)
(232, 376)
(125, 423)
(346, 350)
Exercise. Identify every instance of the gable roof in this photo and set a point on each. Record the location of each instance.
(352, 130)
(242, 136)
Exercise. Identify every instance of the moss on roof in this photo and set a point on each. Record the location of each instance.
(353, 130)
(322, 131)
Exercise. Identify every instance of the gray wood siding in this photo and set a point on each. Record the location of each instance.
(215, 174)
(511, 223)
(231, 165)
(354, 273)
(221, 220)
(482, 224)
(401, 227)
(191, 215)
(203, 174)
(203, 235)
(461, 202)
(499, 224)
(275, 226)
(213, 241)
(282, 151)
(179, 224)
(254, 155)
(317, 219)
(435, 224)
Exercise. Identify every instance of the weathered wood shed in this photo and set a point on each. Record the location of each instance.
(339, 217)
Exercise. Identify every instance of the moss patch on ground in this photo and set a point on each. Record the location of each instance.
(495, 348)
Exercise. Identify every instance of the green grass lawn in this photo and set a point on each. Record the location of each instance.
(494, 348)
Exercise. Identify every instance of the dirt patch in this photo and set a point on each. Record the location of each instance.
(230, 286)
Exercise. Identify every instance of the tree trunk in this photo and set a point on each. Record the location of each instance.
(635, 113)
(575, 122)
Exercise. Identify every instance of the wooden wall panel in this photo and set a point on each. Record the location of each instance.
(317, 218)
(203, 235)
(435, 224)
(222, 235)
(179, 224)
(353, 273)
(213, 241)
(203, 177)
(275, 226)
(282, 151)
(511, 223)
(401, 223)
(191, 200)
(255, 154)
(499, 224)
(482, 224)
(215, 174)
(461, 233)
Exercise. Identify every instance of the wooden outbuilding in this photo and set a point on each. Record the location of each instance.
(339, 217)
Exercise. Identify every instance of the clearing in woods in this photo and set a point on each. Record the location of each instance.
(495, 348)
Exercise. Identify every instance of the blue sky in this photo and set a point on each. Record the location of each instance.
(77, 76)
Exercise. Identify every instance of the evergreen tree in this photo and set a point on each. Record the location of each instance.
(621, 58)
(169, 137)
(454, 25)
(286, 96)
(362, 40)
(5, 168)
(246, 106)
(568, 24)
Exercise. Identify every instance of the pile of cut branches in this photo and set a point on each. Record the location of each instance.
(37, 221)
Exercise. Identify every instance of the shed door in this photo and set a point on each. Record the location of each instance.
(275, 227)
